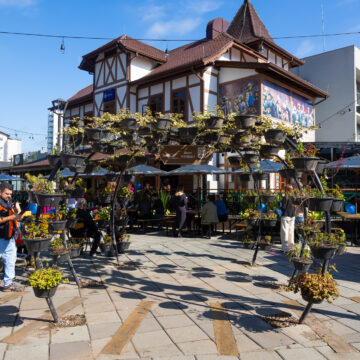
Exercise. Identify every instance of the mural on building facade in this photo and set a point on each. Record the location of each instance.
(281, 104)
(242, 96)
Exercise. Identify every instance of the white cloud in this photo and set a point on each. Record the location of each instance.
(306, 47)
(178, 27)
(152, 12)
(18, 3)
(204, 6)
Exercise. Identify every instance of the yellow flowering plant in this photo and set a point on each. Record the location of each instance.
(46, 278)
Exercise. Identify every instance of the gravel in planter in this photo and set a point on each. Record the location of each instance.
(70, 321)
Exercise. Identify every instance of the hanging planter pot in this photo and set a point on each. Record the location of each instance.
(162, 124)
(245, 121)
(269, 222)
(305, 164)
(37, 245)
(241, 139)
(60, 258)
(269, 151)
(127, 124)
(144, 130)
(301, 264)
(44, 293)
(306, 295)
(55, 226)
(320, 167)
(275, 136)
(140, 160)
(49, 200)
(103, 148)
(187, 134)
(249, 244)
(259, 176)
(130, 136)
(214, 122)
(265, 246)
(290, 173)
(320, 204)
(72, 161)
(336, 205)
(53, 159)
(244, 177)
(123, 246)
(234, 160)
(105, 199)
(323, 252)
(96, 134)
(251, 158)
(267, 198)
(76, 251)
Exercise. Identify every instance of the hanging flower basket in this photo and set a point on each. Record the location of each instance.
(37, 245)
(269, 151)
(251, 158)
(162, 124)
(323, 252)
(320, 167)
(44, 293)
(259, 176)
(49, 200)
(122, 246)
(244, 177)
(55, 226)
(305, 164)
(127, 124)
(187, 134)
(336, 205)
(214, 122)
(103, 148)
(53, 159)
(275, 136)
(144, 130)
(72, 161)
(234, 160)
(76, 251)
(245, 121)
(96, 134)
(306, 295)
(60, 258)
(320, 204)
(301, 264)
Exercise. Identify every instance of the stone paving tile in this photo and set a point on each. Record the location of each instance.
(303, 334)
(98, 344)
(338, 328)
(69, 351)
(19, 352)
(103, 330)
(175, 321)
(198, 347)
(149, 339)
(245, 344)
(169, 350)
(2, 349)
(102, 317)
(70, 334)
(185, 334)
(304, 353)
(260, 355)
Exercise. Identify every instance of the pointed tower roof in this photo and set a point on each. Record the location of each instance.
(247, 26)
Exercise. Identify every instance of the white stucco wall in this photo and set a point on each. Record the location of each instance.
(229, 74)
(13, 147)
(140, 66)
(333, 72)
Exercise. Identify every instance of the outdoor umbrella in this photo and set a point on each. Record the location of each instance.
(145, 170)
(5, 177)
(266, 166)
(352, 162)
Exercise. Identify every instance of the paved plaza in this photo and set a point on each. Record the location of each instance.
(184, 298)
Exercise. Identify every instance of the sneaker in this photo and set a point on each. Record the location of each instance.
(12, 287)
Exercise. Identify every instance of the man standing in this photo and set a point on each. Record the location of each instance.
(8, 225)
(287, 230)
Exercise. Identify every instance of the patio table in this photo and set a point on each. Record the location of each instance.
(355, 218)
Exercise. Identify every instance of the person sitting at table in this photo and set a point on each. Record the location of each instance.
(209, 212)
(221, 209)
(144, 208)
(157, 207)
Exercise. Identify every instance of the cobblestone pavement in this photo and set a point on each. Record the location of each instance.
(184, 298)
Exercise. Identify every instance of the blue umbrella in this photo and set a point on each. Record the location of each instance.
(197, 169)
(6, 177)
(145, 170)
(352, 162)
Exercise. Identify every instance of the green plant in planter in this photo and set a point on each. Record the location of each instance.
(200, 117)
(267, 239)
(71, 213)
(336, 193)
(72, 134)
(35, 229)
(40, 184)
(102, 213)
(106, 191)
(57, 246)
(337, 237)
(107, 239)
(46, 278)
(270, 216)
(165, 198)
(296, 251)
(316, 285)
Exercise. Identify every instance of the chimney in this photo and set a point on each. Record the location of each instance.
(215, 27)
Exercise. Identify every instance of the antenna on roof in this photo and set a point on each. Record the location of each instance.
(166, 52)
(323, 25)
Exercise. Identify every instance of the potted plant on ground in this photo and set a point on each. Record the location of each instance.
(316, 287)
(36, 234)
(265, 244)
(248, 240)
(302, 263)
(122, 241)
(76, 247)
(59, 252)
(107, 245)
(45, 281)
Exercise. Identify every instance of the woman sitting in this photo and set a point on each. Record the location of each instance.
(209, 213)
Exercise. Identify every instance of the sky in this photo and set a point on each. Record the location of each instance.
(34, 71)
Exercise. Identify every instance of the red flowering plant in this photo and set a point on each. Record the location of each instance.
(311, 150)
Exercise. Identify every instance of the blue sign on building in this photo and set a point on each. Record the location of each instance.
(109, 95)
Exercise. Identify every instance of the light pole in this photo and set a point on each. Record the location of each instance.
(59, 108)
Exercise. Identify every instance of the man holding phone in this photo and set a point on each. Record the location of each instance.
(9, 218)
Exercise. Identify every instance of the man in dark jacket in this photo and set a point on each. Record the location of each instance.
(8, 227)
